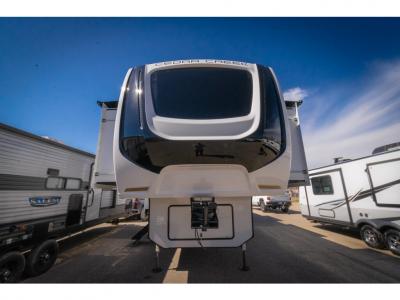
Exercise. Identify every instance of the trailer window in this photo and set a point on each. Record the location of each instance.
(73, 184)
(322, 185)
(55, 183)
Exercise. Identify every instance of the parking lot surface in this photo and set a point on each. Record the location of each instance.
(286, 248)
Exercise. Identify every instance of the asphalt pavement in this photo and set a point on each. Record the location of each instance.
(286, 248)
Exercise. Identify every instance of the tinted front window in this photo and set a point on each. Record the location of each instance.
(201, 93)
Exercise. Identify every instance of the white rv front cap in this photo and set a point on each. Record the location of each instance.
(206, 129)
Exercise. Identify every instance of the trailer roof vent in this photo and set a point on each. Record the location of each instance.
(53, 172)
(388, 147)
(338, 160)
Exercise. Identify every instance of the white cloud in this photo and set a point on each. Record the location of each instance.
(369, 117)
(296, 93)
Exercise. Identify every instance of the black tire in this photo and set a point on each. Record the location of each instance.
(115, 221)
(392, 239)
(263, 207)
(12, 265)
(372, 237)
(285, 209)
(42, 258)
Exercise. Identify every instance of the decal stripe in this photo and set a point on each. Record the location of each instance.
(359, 195)
(328, 202)
(377, 189)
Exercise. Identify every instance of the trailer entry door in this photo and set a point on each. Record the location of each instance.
(74, 209)
(327, 196)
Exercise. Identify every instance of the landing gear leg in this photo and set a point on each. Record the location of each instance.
(244, 267)
(157, 269)
(137, 237)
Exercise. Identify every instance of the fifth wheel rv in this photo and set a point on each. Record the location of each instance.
(44, 194)
(363, 193)
(199, 138)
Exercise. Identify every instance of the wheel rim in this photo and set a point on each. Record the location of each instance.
(394, 242)
(7, 272)
(370, 236)
(45, 258)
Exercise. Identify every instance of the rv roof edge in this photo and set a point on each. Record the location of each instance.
(48, 141)
(351, 160)
(386, 147)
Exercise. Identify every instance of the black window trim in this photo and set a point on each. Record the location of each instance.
(281, 105)
(123, 105)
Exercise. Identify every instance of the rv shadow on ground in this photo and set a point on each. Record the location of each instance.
(281, 253)
(77, 240)
(83, 237)
(349, 231)
(106, 255)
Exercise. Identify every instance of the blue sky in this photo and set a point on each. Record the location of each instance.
(53, 70)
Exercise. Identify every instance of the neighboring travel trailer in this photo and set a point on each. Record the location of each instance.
(363, 193)
(199, 138)
(44, 194)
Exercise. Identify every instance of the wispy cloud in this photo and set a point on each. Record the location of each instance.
(350, 122)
